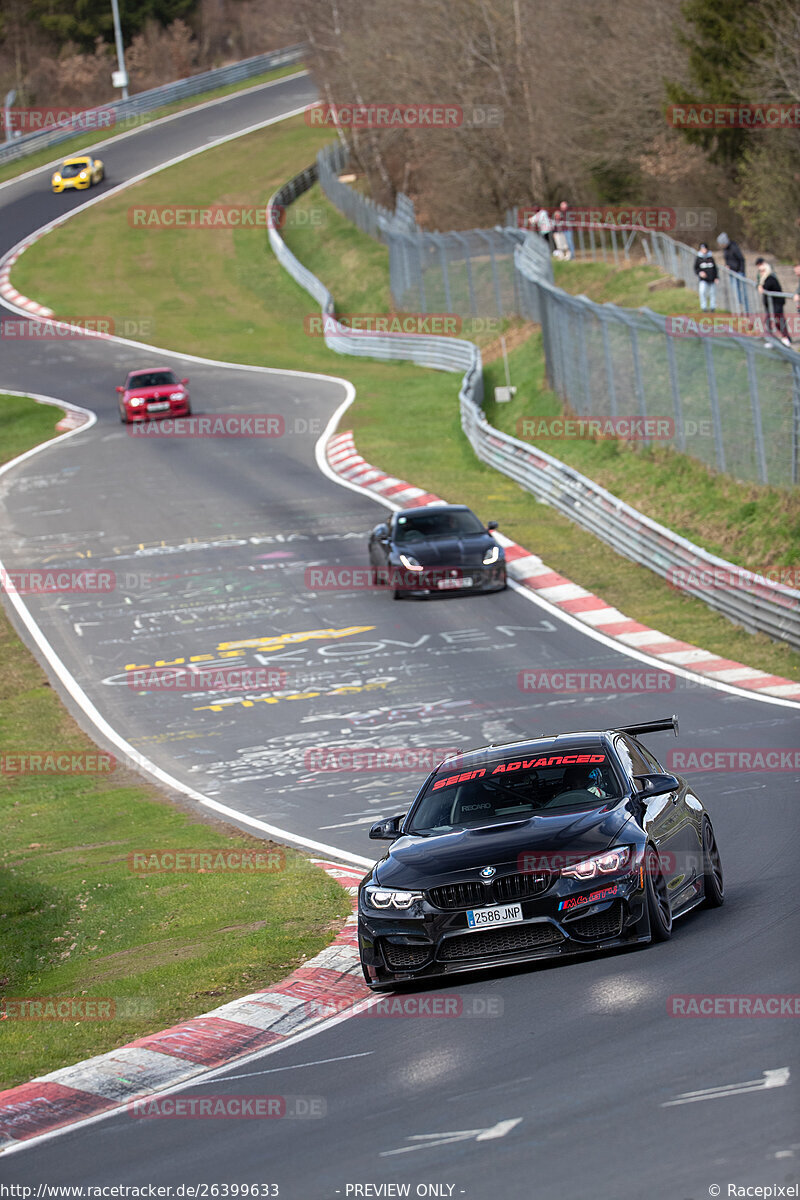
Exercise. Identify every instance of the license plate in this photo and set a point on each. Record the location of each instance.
(159, 406)
(502, 914)
(443, 584)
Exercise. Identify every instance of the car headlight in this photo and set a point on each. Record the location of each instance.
(382, 898)
(609, 863)
(491, 556)
(176, 395)
(136, 401)
(84, 174)
(56, 178)
(410, 563)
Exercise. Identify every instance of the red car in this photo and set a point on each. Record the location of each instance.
(152, 394)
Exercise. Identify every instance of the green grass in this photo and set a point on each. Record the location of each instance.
(24, 424)
(75, 921)
(227, 297)
(78, 145)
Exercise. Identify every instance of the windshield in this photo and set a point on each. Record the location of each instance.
(422, 526)
(152, 379)
(515, 790)
(70, 169)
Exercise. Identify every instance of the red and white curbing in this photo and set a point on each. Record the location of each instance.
(529, 570)
(10, 293)
(326, 985)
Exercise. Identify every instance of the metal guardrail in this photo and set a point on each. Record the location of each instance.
(144, 102)
(752, 601)
(440, 353)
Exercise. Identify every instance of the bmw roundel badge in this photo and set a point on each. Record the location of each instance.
(487, 872)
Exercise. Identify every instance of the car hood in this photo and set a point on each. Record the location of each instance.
(450, 551)
(423, 862)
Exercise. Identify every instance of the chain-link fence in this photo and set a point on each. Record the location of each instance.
(757, 603)
(731, 401)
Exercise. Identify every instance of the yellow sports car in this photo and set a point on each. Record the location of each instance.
(77, 173)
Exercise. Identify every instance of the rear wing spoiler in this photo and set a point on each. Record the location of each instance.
(652, 727)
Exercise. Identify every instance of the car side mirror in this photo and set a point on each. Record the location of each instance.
(184, 382)
(120, 389)
(492, 525)
(381, 531)
(387, 830)
(656, 785)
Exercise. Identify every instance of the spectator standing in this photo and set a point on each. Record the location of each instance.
(542, 223)
(705, 268)
(770, 289)
(734, 261)
(566, 219)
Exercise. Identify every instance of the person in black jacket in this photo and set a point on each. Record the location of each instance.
(770, 289)
(706, 271)
(734, 261)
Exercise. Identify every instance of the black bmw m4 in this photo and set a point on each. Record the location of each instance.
(536, 849)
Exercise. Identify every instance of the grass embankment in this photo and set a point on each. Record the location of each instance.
(78, 145)
(75, 921)
(222, 294)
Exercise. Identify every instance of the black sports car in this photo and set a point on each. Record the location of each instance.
(536, 849)
(437, 548)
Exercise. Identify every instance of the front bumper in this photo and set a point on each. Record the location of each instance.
(440, 580)
(562, 921)
(176, 409)
(75, 184)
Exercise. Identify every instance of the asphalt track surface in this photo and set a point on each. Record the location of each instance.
(209, 540)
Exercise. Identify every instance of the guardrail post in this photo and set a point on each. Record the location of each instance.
(755, 406)
(677, 406)
(612, 387)
(637, 375)
(714, 398)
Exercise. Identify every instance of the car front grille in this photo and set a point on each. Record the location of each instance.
(513, 939)
(472, 894)
(602, 925)
(402, 958)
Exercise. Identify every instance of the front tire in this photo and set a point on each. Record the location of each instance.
(713, 883)
(659, 909)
